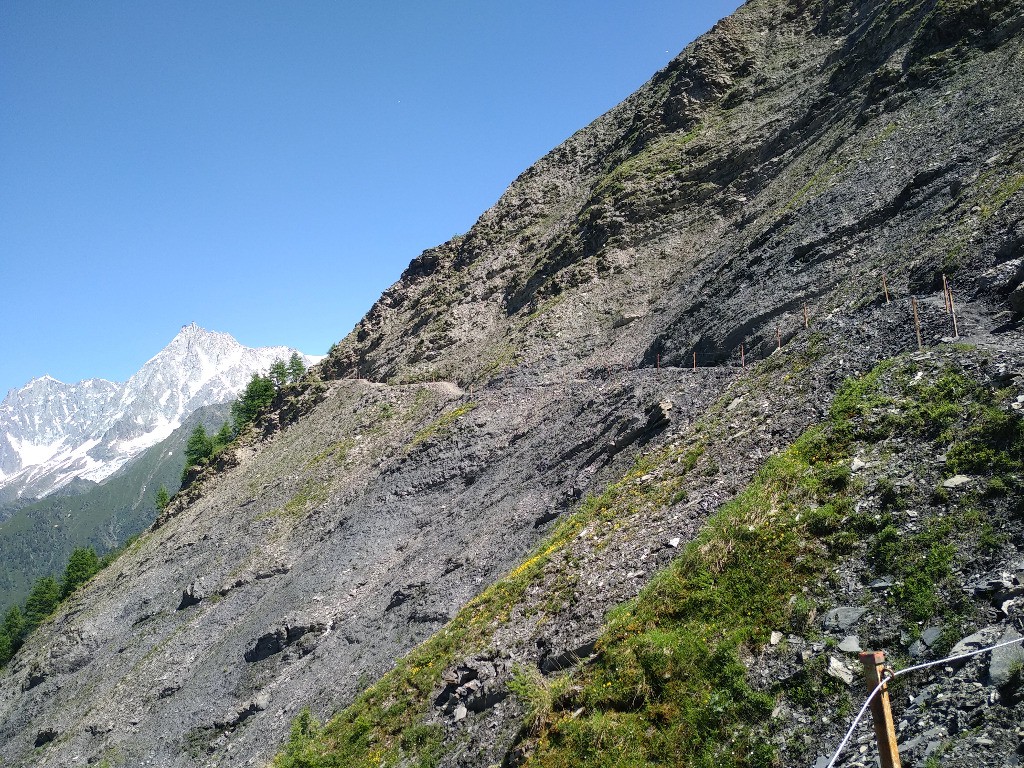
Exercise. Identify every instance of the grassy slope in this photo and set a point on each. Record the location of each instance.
(670, 683)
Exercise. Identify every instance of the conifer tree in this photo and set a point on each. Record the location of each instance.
(41, 602)
(199, 447)
(222, 438)
(258, 395)
(296, 368)
(6, 648)
(11, 632)
(163, 498)
(82, 566)
(14, 626)
(279, 373)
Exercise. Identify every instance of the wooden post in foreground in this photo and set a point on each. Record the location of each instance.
(695, 361)
(917, 324)
(945, 294)
(881, 712)
(886, 289)
(743, 357)
(778, 338)
(807, 323)
(952, 311)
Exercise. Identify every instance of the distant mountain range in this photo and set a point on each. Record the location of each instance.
(53, 434)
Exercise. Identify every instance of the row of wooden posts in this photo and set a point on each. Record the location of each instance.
(875, 670)
(947, 297)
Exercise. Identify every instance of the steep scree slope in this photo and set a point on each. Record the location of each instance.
(790, 157)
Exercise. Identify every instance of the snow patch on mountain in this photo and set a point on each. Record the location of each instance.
(52, 432)
(161, 432)
(30, 453)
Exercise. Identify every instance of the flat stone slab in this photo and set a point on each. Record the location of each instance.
(930, 635)
(837, 669)
(973, 642)
(843, 617)
(956, 481)
(1006, 660)
(850, 644)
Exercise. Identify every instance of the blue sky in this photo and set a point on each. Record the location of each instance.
(268, 168)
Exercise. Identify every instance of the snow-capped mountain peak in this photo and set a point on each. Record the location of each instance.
(52, 432)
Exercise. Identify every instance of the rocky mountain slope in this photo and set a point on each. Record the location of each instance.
(624, 383)
(53, 434)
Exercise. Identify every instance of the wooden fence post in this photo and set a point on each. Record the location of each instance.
(743, 357)
(881, 712)
(695, 361)
(952, 311)
(917, 324)
(885, 288)
(807, 322)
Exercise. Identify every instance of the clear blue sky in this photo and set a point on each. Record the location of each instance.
(268, 168)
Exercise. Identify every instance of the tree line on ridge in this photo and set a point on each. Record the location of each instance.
(258, 395)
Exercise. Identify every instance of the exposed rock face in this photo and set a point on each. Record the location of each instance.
(792, 156)
(788, 159)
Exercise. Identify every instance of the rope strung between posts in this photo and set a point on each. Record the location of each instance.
(893, 675)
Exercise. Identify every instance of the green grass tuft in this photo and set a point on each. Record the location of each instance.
(441, 426)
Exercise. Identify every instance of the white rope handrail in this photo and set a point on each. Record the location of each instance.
(908, 670)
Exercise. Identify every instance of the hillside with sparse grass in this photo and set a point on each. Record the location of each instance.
(630, 472)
